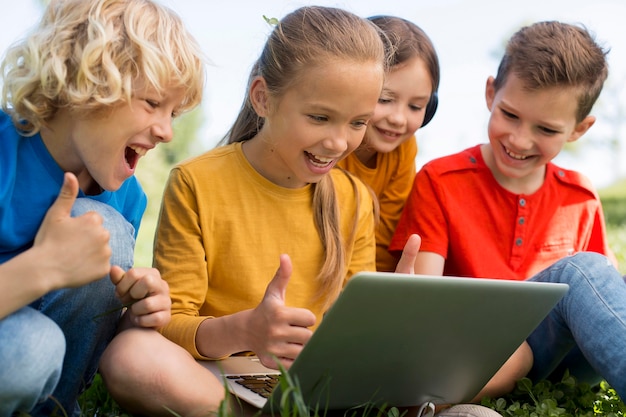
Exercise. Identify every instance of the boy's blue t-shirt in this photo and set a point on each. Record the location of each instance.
(30, 181)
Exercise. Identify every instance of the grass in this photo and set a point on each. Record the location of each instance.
(566, 398)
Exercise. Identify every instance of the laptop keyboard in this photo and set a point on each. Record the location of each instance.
(260, 384)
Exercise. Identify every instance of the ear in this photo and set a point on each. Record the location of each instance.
(259, 96)
(581, 128)
(490, 92)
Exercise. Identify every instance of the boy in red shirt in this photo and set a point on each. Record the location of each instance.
(504, 210)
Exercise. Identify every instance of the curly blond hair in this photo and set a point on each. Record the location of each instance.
(88, 55)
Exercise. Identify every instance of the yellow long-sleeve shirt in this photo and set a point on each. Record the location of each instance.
(391, 181)
(222, 228)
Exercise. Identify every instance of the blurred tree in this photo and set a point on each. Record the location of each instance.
(611, 115)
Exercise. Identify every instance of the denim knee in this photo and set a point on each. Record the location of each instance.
(588, 262)
(122, 233)
(591, 266)
(32, 348)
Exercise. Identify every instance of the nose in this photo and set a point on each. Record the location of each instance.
(397, 116)
(162, 130)
(337, 141)
(521, 138)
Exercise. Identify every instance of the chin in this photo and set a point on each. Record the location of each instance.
(388, 147)
(113, 184)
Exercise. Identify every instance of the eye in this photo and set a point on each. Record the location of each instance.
(548, 131)
(415, 107)
(508, 115)
(317, 118)
(384, 100)
(152, 103)
(359, 123)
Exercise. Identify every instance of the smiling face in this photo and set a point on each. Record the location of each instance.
(401, 107)
(318, 120)
(527, 129)
(103, 149)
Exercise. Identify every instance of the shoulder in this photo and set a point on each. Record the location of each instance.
(220, 161)
(573, 180)
(219, 156)
(468, 159)
(13, 155)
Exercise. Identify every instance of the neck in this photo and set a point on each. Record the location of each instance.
(261, 154)
(366, 154)
(57, 138)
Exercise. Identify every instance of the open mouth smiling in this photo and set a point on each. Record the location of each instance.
(319, 161)
(389, 133)
(516, 156)
(132, 155)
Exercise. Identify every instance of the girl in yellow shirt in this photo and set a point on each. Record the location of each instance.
(385, 161)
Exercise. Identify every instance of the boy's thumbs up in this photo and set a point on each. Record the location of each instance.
(62, 207)
(277, 287)
(76, 248)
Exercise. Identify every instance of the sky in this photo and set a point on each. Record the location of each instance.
(468, 35)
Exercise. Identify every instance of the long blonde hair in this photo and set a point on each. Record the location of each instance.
(86, 55)
(306, 38)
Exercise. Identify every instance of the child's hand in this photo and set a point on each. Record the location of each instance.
(74, 250)
(278, 331)
(406, 264)
(145, 293)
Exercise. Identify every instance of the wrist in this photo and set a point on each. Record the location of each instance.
(218, 337)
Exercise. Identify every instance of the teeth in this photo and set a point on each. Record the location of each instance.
(515, 155)
(323, 160)
(320, 160)
(388, 133)
(139, 150)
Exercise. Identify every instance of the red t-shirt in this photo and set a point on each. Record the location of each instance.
(483, 230)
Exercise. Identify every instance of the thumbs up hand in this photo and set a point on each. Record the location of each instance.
(278, 332)
(406, 264)
(74, 250)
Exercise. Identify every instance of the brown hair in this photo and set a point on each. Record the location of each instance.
(405, 40)
(307, 38)
(550, 54)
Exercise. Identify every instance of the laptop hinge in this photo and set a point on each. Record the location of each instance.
(426, 410)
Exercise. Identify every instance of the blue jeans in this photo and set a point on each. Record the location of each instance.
(29, 372)
(586, 331)
(78, 315)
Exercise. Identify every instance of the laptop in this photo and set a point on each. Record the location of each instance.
(401, 340)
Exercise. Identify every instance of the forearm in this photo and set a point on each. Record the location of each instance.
(222, 336)
(429, 263)
(22, 280)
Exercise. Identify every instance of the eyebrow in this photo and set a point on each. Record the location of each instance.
(394, 94)
(325, 109)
